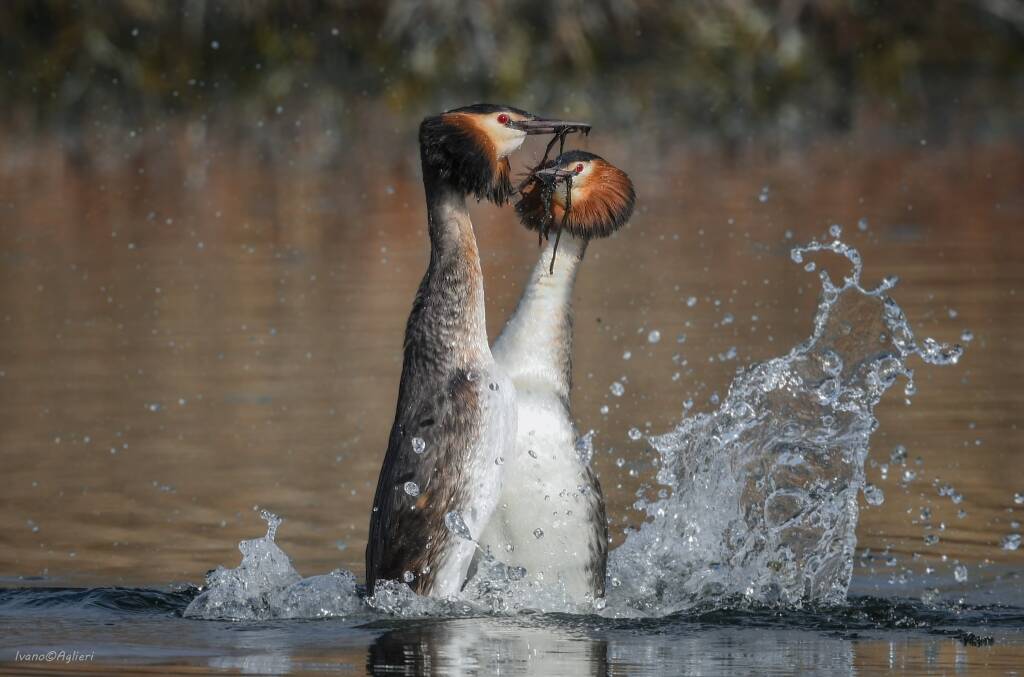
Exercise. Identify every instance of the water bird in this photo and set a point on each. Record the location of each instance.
(456, 414)
(550, 518)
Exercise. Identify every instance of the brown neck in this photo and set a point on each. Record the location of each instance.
(447, 328)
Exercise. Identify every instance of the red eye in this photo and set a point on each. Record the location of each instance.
(579, 168)
(503, 119)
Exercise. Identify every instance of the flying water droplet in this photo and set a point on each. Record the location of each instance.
(273, 522)
(585, 447)
(419, 445)
(617, 389)
(654, 336)
(831, 363)
(873, 495)
(1011, 542)
(453, 520)
(960, 573)
(412, 488)
(408, 577)
(934, 352)
(635, 434)
(538, 533)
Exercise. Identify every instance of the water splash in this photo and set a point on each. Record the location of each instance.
(764, 490)
(759, 502)
(266, 585)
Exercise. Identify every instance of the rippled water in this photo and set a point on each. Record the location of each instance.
(199, 334)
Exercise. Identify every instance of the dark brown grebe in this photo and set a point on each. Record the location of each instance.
(456, 413)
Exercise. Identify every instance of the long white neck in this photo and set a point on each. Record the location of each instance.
(535, 347)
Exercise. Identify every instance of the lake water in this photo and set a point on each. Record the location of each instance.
(193, 328)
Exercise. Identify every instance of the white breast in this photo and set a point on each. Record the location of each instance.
(543, 519)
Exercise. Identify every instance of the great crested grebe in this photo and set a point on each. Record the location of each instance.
(550, 518)
(456, 413)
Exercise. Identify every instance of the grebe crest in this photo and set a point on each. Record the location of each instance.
(579, 192)
(469, 146)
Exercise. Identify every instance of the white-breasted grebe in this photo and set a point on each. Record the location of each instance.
(550, 518)
(456, 413)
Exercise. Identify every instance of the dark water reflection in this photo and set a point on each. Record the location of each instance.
(189, 329)
(141, 631)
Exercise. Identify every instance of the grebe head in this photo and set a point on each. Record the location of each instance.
(469, 146)
(580, 192)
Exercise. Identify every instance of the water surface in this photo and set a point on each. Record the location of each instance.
(190, 330)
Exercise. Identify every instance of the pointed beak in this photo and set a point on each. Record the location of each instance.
(546, 126)
(553, 175)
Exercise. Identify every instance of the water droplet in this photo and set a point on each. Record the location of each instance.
(763, 195)
(585, 447)
(828, 391)
(960, 573)
(862, 224)
(455, 524)
(419, 445)
(472, 376)
(873, 495)
(516, 573)
(691, 302)
(619, 462)
(933, 352)
(898, 455)
(1018, 498)
(654, 336)
(617, 389)
(532, 453)
(408, 577)
(931, 539)
(1011, 542)
(604, 410)
(499, 460)
(412, 488)
(273, 522)
(538, 533)
(831, 363)
(835, 230)
(626, 355)
(635, 434)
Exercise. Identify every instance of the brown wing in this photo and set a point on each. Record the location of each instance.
(407, 531)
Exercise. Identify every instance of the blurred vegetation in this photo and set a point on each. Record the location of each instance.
(728, 66)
